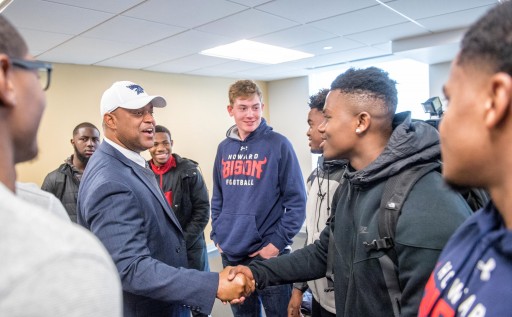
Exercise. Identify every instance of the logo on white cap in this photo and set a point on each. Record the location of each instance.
(128, 95)
(138, 89)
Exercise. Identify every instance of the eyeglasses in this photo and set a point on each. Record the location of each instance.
(44, 70)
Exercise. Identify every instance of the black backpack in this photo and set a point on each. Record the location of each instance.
(394, 195)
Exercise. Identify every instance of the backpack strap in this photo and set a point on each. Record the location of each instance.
(395, 193)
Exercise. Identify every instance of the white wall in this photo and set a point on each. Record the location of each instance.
(288, 115)
(438, 74)
(196, 113)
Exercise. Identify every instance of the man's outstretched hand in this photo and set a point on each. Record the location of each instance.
(234, 273)
(234, 287)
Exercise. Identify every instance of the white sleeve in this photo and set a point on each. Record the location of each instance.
(72, 286)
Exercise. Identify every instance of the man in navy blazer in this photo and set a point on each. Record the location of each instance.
(121, 203)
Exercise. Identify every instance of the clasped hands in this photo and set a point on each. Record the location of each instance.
(235, 284)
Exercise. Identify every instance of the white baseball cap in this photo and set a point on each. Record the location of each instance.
(128, 95)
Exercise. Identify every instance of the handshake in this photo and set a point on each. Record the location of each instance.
(235, 284)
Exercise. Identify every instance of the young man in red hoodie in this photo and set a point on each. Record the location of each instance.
(185, 190)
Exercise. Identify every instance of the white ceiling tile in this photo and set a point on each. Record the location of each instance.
(190, 42)
(349, 23)
(388, 33)
(342, 57)
(247, 24)
(83, 50)
(244, 75)
(453, 20)
(140, 58)
(39, 42)
(189, 14)
(177, 46)
(111, 6)
(298, 35)
(272, 69)
(229, 67)
(257, 72)
(251, 3)
(131, 30)
(53, 17)
(187, 64)
(418, 9)
(269, 77)
(365, 53)
(302, 11)
(338, 44)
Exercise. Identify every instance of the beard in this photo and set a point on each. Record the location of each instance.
(82, 158)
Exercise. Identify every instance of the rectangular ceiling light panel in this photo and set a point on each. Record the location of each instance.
(255, 52)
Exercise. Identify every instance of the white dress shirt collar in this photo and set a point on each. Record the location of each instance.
(131, 155)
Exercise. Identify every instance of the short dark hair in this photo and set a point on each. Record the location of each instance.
(161, 128)
(84, 125)
(317, 101)
(11, 42)
(489, 40)
(372, 82)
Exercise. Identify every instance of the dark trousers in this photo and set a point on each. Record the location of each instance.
(318, 311)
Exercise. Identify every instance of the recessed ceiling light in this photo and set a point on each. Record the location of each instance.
(255, 52)
(327, 47)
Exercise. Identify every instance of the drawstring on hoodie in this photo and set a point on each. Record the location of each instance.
(326, 171)
(319, 194)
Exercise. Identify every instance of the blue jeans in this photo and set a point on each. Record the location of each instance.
(275, 299)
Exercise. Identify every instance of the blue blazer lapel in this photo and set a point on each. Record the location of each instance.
(146, 176)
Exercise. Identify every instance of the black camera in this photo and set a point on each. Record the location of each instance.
(434, 107)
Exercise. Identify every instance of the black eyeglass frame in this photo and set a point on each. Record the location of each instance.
(35, 65)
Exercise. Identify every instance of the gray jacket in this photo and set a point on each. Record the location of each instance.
(321, 186)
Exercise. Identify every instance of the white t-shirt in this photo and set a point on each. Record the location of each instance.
(30, 193)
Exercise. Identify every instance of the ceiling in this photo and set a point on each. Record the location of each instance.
(167, 35)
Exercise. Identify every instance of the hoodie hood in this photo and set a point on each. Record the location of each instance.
(411, 143)
(262, 129)
(332, 165)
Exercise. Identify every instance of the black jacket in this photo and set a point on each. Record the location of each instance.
(64, 186)
(429, 216)
(190, 200)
